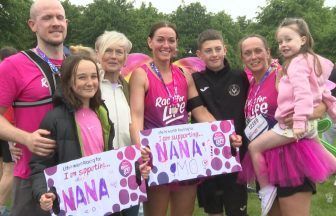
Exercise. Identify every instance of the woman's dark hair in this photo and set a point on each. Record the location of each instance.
(68, 72)
(159, 25)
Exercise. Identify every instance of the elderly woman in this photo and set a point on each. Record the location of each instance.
(112, 48)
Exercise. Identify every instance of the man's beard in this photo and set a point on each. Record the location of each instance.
(53, 43)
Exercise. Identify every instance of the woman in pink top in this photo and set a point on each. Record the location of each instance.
(301, 87)
(159, 93)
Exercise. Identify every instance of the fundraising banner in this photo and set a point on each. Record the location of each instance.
(190, 151)
(99, 184)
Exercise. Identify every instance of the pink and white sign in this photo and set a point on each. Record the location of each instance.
(190, 151)
(100, 184)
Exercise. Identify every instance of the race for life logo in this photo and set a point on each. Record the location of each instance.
(125, 168)
(44, 82)
(218, 139)
(168, 116)
(234, 90)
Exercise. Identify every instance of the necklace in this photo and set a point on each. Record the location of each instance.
(173, 98)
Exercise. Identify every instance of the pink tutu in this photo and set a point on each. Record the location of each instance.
(289, 165)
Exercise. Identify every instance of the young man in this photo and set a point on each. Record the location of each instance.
(29, 88)
(223, 92)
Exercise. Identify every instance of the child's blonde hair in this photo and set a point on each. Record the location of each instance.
(83, 50)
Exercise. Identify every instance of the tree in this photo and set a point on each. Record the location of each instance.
(142, 19)
(103, 15)
(312, 11)
(190, 21)
(231, 33)
(86, 23)
(14, 30)
(74, 14)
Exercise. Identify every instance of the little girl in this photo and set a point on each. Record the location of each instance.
(301, 88)
(79, 123)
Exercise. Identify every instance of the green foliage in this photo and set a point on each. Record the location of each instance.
(140, 21)
(14, 30)
(74, 16)
(231, 33)
(190, 21)
(320, 20)
(88, 22)
(103, 15)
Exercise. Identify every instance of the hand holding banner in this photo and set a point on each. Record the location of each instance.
(99, 184)
(190, 151)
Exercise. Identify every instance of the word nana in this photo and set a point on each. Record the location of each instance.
(81, 196)
(178, 150)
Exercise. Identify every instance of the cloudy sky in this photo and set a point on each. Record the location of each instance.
(235, 8)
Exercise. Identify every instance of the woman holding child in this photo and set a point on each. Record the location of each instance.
(292, 197)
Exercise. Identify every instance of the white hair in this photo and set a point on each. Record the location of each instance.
(109, 38)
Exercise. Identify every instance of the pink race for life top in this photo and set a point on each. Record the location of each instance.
(157, 101)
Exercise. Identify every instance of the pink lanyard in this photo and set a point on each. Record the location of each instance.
(173, 98)
(249, 108)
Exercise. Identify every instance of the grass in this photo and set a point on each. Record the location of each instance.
(320, 206)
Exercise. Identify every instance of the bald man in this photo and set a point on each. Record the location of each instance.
(29, 88)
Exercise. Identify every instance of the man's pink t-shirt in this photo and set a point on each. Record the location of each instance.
(21, 80)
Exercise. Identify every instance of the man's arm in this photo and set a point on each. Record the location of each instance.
(35, 141)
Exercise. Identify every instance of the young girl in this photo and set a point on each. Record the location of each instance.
(301, 88)
(79, 123)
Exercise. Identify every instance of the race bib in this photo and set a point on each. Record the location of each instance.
(255, 127)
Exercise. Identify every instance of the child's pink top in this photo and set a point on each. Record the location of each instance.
(300, 90)
(91, 131)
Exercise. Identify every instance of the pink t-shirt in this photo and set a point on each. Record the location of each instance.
(157, 101)
(262, 98)
(21, 80)
(300, 90)
(91, 131)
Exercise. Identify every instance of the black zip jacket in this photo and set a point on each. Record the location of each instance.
(224, 94)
